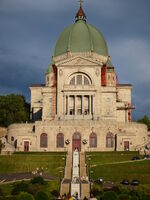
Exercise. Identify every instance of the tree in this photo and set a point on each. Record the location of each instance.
(41, 196)
(123, 197)
(1, 146)
(25, 196)
(13, 109)
(38, 180)
(20, 187)
(145, 120)
(109, 195)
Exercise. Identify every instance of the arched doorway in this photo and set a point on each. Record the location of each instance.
(76, 141)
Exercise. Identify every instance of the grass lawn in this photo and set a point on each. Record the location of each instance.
(28, 162)
(106, 165)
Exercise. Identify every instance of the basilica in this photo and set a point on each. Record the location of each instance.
(81, 105)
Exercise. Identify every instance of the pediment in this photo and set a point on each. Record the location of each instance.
(78, 61)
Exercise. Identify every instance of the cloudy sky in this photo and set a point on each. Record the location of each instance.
(30, 28)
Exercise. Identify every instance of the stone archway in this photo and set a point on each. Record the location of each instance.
(76, 141)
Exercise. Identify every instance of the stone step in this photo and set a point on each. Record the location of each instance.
(85, 186)
(85, 190)
(65, 188)
(65, 184)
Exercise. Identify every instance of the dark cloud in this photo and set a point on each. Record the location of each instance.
(29, 30)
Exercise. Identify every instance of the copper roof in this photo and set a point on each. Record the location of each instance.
(80, 12)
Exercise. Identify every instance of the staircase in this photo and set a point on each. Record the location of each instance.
(75, 178)
(85, 185)
(65, 184)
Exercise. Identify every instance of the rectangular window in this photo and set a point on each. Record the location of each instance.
(79, 79)
(79, 111)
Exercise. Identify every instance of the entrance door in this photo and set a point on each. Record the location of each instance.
(26, 146)
(76, 141)
(126, 145)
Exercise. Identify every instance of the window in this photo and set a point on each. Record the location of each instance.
(43, 140)
(76, 136)
(86, 81)
(109, 140)
(79, 111)
(60, 140)
(72, 82)
(80, 79)
(93, 140)
(12, 138)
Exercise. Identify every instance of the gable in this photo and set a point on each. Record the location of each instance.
(78, 61)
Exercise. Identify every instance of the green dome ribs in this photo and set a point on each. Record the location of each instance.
(81, 37)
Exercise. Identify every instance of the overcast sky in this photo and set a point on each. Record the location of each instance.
(29, 30)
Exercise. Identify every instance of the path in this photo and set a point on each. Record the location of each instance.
(20, 176)
(119, 162)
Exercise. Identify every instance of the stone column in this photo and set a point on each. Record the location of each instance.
(67, 105)
(64, 104)
(92, 104)
(89, 104)
(82, 104)
(75, 105)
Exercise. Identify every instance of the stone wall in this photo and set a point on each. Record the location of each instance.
(135, 133)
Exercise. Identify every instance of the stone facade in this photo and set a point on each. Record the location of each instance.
(81, 105)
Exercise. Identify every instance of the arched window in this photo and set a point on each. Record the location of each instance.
(12, 138)
(109, 140)
(60, 140)
(76, 136)
(43, 140)
(80, 79)
(93, 140)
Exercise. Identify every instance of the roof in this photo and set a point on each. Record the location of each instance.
(81, 37)
(50, 66)
(37, 85)
(124, 85)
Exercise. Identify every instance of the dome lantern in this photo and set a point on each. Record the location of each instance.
(80, 14)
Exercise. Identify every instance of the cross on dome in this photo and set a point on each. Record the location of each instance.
(81, 1)
(80, 14)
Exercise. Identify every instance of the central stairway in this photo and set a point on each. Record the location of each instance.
(75, 181)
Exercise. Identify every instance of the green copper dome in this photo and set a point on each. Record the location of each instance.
(81, 37)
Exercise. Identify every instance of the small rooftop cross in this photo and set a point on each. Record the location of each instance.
(81, 1)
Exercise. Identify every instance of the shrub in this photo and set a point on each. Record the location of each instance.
(38, 179)
(146, 197)
(95, 192)
(134, 198)
(25, 196)
(109, 195)
(35, 188)
(55, 193)
(41, 196)
(116, 189)
(20, 187)
(1, 192)
(123, 197)
(9, 198)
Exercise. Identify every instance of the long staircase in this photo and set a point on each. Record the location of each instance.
(75, 181)
(65, 184)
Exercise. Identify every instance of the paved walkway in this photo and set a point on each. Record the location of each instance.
(119, 162)
(20, 176)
